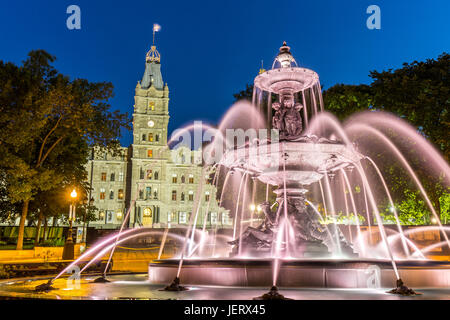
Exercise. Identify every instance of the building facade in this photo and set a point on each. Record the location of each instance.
(158, 185)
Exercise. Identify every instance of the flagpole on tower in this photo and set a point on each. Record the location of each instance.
(156, 28)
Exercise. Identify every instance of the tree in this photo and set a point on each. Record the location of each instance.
(47, 119)
(344, 100)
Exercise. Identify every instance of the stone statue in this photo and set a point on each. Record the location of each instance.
(312, 237)
(262, 235)
(287, 117)
(277, 120)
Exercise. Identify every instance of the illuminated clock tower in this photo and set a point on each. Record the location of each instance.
(149, 148)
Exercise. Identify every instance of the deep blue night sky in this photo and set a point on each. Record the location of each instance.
(211, 49)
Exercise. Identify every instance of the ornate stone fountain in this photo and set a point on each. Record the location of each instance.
(291, 163)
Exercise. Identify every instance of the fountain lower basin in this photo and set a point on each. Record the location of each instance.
(307, 273)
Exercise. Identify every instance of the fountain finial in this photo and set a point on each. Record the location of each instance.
(284, 58)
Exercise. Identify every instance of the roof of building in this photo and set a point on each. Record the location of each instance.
(152, 75)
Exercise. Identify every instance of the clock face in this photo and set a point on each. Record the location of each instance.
(151, 123)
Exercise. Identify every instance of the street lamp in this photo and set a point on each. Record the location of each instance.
(88, 204)
(68, 252)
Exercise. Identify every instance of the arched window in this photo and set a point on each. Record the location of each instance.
(174, 195)
(150, 137)
(183, 179)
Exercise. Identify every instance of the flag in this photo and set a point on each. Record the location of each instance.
(156, 27)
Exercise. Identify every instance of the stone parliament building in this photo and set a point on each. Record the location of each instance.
(158, 185)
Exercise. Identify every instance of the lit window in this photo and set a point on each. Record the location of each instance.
(120, 176)
(172, 216)
(174, 178)
(148, 193)
(191, 195)
(150, 137)
(182, 217)
(225, 218)
(102, 194)
(207, 196)
(103, 176)
(213, 216)
(120, 194)
(151, 105)
(174, 195)
(150, 153)
(191, 178)
(149, 174)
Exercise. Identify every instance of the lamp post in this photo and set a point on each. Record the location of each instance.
(68, 252)
(88, 204)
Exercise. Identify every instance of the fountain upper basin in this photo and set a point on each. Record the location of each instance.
(292, 79)
(305, 159)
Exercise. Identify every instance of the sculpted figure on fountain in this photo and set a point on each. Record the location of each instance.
(287, 117)
(261, 236)
(311, 235)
